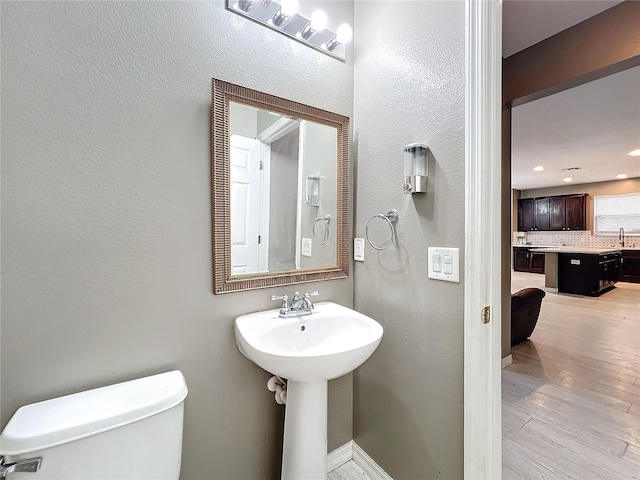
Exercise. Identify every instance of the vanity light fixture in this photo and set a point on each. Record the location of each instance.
(621, 176)
(344, 35)
(317, 24)
(286, 9)
(282, 17)
(539, 168)
(567, 179)
(416, 167)
(634, 153)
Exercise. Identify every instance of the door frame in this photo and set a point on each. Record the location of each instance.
(482, 274)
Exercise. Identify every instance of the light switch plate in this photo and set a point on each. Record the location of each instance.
(358, 249)
(447, 261)
(306, 247)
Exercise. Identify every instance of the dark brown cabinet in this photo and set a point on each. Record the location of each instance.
(587, 274)
(525, 215)
(557, 213)
(524, 260)
(541, 213)
(563, 212)
(575, 212)
(630, 266)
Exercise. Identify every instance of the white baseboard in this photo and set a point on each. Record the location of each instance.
(368, 464)
(352, 451)
(506, 361)
(339, 456)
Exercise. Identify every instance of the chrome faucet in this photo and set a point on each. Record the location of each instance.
(298, 307)
(621, 236)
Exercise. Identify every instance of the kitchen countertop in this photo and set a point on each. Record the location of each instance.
(569, 249)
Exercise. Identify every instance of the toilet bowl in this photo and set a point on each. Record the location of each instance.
(131, 430)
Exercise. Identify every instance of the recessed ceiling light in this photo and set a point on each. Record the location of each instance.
(634, 153)
(568, 179)
(539, 168)
(622, 176)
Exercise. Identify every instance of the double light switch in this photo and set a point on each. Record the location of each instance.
(444, 264)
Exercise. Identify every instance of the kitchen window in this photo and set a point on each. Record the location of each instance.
(612, 212)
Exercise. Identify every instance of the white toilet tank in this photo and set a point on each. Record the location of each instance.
(131, 430)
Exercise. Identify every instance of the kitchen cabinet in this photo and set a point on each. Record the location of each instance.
(525, 215)
(587, 274)
(524, 260)
(630, 266)
(557, 213)
(575, 212)
(541, 214)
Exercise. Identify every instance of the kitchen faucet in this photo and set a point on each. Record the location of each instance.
(621, 236)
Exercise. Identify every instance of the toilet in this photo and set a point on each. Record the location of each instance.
(131, 430)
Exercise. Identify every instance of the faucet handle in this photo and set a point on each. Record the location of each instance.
(307, 298)
(285, 300)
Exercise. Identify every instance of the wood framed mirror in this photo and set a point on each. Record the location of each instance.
(280, 191)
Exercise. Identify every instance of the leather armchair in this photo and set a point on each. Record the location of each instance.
(525, 309)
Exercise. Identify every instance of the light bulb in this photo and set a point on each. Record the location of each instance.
(568, 179)
(344, 34)
(622, 176)
(318, 21)
(289, 7)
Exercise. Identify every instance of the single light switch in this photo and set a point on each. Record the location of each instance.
(437, 264)
(448, 264)
(358, 249)
(444, 264)
(306, 247)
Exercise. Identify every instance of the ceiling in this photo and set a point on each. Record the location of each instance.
(527, 22)
(592, 126)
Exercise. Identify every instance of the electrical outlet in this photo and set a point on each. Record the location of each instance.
(306, 247)
(358, 249)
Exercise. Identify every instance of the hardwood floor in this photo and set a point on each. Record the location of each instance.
(571, 398)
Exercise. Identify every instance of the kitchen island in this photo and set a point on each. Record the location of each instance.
(581, 270)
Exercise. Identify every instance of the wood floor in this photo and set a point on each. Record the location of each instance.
(571, 398)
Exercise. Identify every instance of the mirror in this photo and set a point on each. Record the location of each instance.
(280, 191)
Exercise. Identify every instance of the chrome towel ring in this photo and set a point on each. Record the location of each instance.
(391, 217)
(327, 220)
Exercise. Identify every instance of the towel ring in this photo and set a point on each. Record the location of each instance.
(391, 217)
(327, 220)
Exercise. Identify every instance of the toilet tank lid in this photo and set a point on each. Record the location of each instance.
(65, 419)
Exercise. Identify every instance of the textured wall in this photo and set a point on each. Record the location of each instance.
(106, 217)
(409, 87)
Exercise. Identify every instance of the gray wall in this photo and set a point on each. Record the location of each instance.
(408, 398)
(283, 201)
(106, 220)
(319, 143)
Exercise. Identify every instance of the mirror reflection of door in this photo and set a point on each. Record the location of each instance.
(248, 254)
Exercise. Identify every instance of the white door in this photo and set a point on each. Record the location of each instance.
(245, 205)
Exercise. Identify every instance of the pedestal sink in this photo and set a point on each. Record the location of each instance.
(307, 351)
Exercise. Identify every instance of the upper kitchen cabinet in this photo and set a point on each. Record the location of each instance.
(576, 212)
(541, 213)
(525, 215)
(558, 213)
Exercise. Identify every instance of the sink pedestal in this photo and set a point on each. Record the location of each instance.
(305, 431)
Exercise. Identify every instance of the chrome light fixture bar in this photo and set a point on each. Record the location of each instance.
(282, 18)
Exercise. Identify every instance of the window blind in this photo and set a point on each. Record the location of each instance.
(613, 212)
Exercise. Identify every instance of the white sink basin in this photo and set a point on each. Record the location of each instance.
(307, 351)
(329, 343)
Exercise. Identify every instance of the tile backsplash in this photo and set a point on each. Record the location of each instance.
(578, 238)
